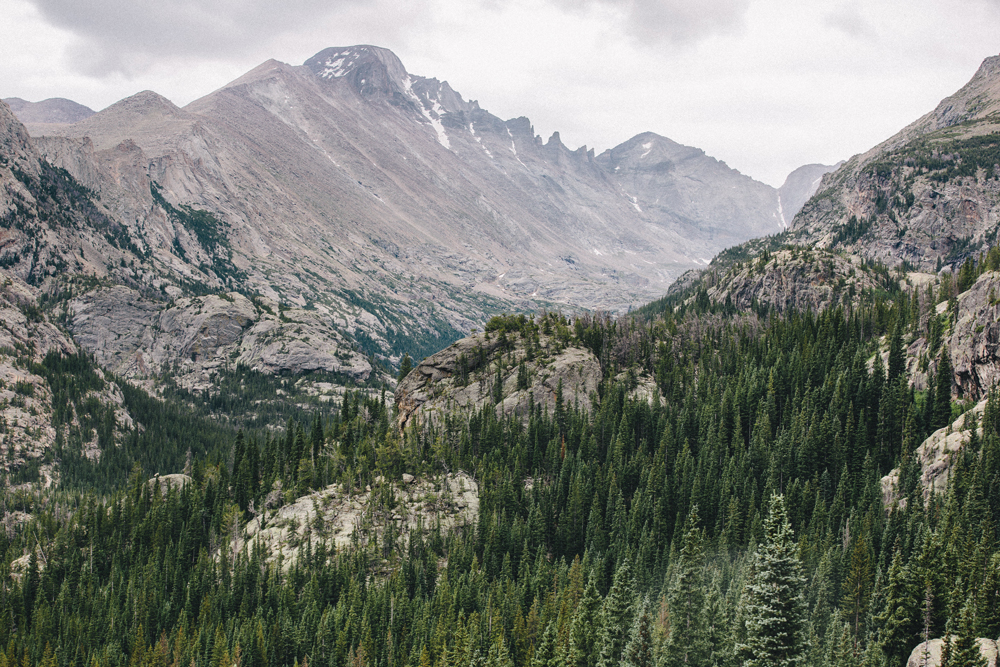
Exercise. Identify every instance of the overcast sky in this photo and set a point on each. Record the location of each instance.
(765, 85)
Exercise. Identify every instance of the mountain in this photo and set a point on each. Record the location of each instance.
(777, 433)
(926, 196)
(799, 186)
(395, 211)
(55, 110)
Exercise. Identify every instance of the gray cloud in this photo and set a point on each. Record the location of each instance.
(849, 20)
(673, 21)
(127, 35)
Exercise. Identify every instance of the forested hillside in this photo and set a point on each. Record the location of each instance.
(736, 518)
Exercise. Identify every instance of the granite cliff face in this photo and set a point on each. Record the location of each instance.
(512, 371)
(934, 459)
(191, 337)
(794, 279)
(926, 196)
(29, 342)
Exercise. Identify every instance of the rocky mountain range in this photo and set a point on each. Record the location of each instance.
(256, 253)
(395, 213)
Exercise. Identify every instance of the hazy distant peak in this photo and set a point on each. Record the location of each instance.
(801, 184)
(52, 110)
(647, 150)
(144, 103)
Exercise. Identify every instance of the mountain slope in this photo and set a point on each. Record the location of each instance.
(927, 195)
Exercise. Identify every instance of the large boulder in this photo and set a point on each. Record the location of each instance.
(935, 456)
(928, 654)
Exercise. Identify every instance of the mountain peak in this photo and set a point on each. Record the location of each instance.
(372, 70)
(144, 103)
(977, 99)
(52, 110)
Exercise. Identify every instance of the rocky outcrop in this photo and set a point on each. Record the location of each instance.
(510, 372)
(344, 517)
(795, 278)
(27, 336)
(928, 654)
(974, 340)
(191, 337)
(934, 456)
(971, 334)
(929, 194)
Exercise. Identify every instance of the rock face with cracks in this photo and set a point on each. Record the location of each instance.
(794, 279)
(509, 372)
(193, 336)
(925, 195)
(26, 401)
(344, 518)
(934, 455)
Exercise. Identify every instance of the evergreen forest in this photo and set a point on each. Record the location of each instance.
(738, 519)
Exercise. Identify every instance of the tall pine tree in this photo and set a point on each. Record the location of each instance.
(775, 610)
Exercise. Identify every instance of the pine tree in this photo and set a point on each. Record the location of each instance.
(405, 366)
(775, 610)
(582, 634)
(616, 616)
(546, 647)
(942, 390)
(897, 358)
(639, 650)
(898, 620)
(686, 599)
(960, 648)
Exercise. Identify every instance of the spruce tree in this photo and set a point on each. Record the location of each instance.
(774, 607)
(616, 616)
(942, 391)
(898, 621)
(639, 650)
(960, 646)
(582, 632)
(405, 366)
(897, 357)
(688, 643)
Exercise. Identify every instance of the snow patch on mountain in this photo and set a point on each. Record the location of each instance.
(479, 140)
(513, 149)
(339, 65)
(434, 120)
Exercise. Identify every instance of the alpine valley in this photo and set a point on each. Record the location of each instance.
(332, 366)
